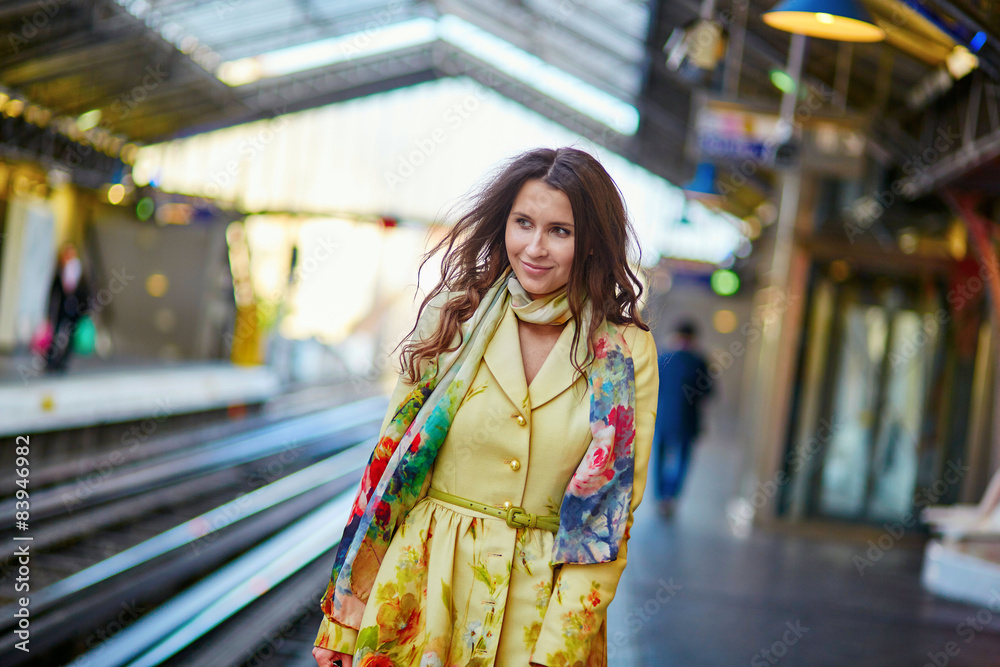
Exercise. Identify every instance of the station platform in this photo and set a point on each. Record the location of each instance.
(696, 594)
(95, 392)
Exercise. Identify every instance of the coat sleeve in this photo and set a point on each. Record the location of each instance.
(333, 635)
(574, 625)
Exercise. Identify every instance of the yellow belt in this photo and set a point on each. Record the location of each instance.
(516, 517)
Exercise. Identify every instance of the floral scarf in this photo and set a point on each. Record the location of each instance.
(597, 500)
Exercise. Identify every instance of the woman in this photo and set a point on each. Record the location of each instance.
(491, 523)
(68, 298)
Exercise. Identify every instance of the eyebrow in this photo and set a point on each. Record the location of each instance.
(525, 215)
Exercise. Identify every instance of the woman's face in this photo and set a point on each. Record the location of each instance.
(541, 238)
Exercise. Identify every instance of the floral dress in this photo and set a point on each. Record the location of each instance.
(461, 588)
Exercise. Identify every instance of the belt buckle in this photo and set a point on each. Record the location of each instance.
(512, 517)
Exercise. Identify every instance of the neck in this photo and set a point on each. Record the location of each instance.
(536, 297)
(542, 329)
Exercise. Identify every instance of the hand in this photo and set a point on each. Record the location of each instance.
(325, 657)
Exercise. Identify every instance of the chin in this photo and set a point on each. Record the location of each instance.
(539, 290)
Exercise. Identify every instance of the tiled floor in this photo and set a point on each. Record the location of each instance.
(693, 594)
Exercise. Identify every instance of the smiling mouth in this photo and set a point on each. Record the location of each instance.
(536, 268)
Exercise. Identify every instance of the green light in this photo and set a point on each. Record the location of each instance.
(144, 208)
(89, 120)
(725, 282)
(782, 81)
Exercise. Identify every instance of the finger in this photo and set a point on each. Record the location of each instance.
(324, 657)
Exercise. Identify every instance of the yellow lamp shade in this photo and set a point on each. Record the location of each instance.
(842, 20)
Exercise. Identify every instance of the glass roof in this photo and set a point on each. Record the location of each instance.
(258, 167)
(600, 42)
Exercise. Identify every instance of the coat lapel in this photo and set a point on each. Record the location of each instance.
(557, 373)
(503, 357)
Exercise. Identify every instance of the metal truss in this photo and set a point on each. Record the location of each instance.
(956, 136)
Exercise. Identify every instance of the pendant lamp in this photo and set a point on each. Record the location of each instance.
(702, 186)
(842, 20)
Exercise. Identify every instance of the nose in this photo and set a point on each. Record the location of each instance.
(536, 247)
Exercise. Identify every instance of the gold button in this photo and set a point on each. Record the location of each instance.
(521, 420)
(506, 505)
(515, 464)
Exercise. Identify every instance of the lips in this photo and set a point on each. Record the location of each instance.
(535, 268)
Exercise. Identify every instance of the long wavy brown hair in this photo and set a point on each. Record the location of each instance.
(476, 253)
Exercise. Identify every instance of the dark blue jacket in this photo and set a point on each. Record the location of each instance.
(684, 383)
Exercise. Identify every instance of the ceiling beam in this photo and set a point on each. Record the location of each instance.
(518, 31)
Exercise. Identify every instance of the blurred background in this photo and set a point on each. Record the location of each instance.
(211, 218)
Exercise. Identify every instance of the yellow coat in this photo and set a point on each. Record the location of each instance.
(453, 579)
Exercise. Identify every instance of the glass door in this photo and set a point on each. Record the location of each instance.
(865, 413)
(847, 465)
(895, 453)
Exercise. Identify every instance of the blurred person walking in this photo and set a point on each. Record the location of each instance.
(68, 298)
(492, 520)
(684, 384)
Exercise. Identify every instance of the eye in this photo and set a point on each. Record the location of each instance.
(522, 222)
(562, 231)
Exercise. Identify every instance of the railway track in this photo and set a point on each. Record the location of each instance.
(110, 563)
